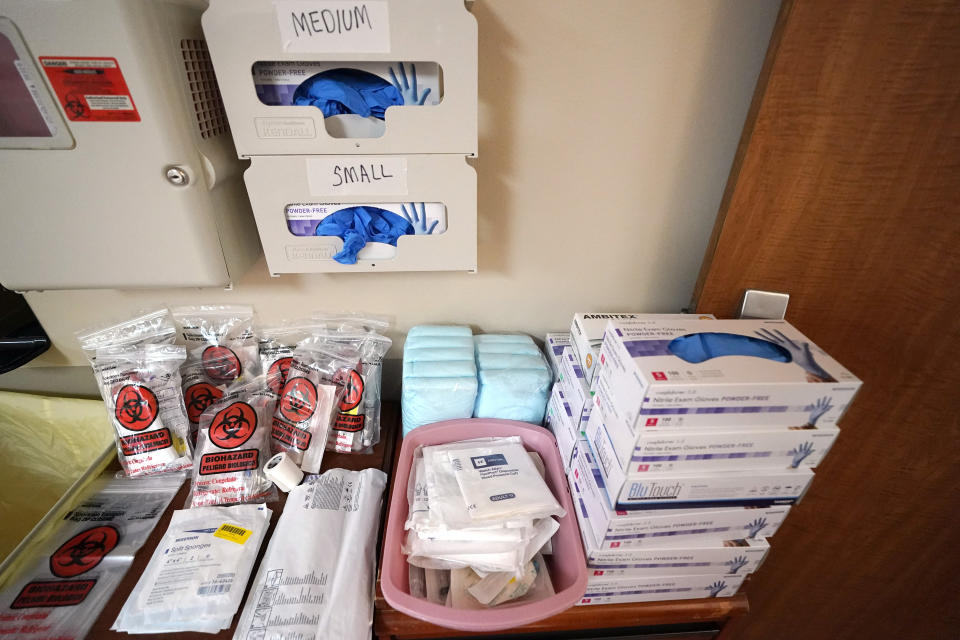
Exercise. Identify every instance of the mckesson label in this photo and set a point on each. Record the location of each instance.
(480, 462)
(502, 496)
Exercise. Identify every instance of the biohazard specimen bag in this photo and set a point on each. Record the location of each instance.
(233, 444)
(70, 577)
(316, 380)
(221, 339)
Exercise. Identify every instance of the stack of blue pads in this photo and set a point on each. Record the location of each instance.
(439, 375)
(448, 373)
(514, 378)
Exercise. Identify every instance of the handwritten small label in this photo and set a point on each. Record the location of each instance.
(357, 175)
(334, 26)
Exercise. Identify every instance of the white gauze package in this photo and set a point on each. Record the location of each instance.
(221, 339)
(233, 445)
(316, 578)
(498, 480)
(70, 577)
(308, 401)
(196, 577)
(141, 389)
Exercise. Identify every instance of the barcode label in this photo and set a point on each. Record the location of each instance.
(213, 588)
(233, 533)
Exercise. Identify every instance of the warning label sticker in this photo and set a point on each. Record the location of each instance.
(91, 89)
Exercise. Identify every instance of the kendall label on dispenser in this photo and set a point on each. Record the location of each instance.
(334, 26)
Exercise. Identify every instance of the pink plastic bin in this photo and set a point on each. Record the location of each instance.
(567, 565)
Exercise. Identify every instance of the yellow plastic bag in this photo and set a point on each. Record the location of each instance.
(46, 444)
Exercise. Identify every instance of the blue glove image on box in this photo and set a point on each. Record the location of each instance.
(357, 226)
(340, 91)
(699, 347)
(428, 400)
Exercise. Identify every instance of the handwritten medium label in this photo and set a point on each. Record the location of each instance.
(357, 175)
(334, 26)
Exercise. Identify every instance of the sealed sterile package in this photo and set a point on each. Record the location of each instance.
(316, 578)
(221, 339)
(498, 480)
(140, 386)
(308, 401)
(196, 577)
(73, 574)
(233, 445)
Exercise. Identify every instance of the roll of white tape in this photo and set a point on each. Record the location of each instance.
(283, 472)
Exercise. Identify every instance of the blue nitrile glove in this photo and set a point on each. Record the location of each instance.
(716, 588)
(408, 90)
(817, 410)
(799, 353)
(419, 223)
(755, 527)
(800, 453)
(357, 226)
(699, 347)
(736, 564)
(339, 91)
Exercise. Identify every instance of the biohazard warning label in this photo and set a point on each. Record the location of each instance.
(291, 435)
(91, 89)
(60, 593)
(145, 442)
(229, 462)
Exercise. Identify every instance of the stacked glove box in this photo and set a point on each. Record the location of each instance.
(358, 121)
(701, 435)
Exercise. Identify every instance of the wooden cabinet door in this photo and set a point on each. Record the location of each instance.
(844, 193)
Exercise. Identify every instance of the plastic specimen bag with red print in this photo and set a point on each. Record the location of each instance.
(221, 339)
(69, 578)
(233, 444)
(315, 384)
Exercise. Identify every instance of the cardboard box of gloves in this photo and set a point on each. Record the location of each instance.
(686, 440)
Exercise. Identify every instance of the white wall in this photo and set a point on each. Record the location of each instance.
(607, 130)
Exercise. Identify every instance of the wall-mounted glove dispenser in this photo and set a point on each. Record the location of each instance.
(303, 77)
(347, 214)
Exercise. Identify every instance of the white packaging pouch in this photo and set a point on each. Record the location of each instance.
(71, 576)
(498, 481)
(316, 578)
(196, 577)
(221, 339)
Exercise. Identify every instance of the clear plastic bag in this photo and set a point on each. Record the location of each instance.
(278, 342)
(221, 338)
(233, 445)
(150, 327)
(141, 389)
(316, 381)
(72, 575)
(199, 392)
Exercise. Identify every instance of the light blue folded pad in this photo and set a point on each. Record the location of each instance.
(514, 378)
(439, 375)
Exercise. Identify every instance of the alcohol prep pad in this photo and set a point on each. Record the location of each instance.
(498, 480)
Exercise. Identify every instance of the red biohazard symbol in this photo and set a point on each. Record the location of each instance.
(233, 426)
(299, 400)
(83, 551)
(353, 392)
(221, 364)
(198, 397)
(136, 408)
(277, 374)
